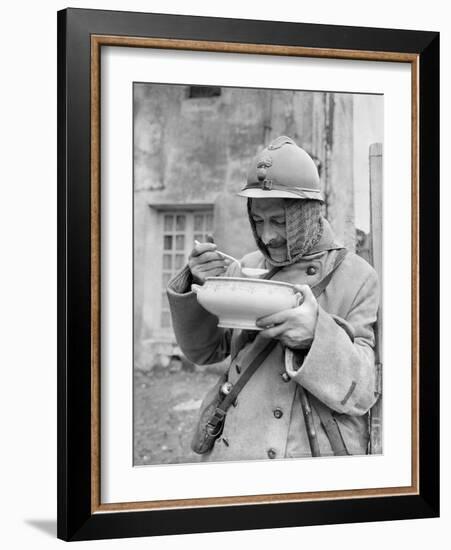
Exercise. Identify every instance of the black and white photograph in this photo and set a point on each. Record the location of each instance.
(257, 262)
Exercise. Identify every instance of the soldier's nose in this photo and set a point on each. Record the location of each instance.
(268, 235)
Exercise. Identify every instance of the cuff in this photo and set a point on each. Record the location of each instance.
(328, 370)
(181, 282)
(293, 361)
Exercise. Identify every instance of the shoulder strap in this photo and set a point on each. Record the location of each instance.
(242, 380)
(330, 426)
(271, 273)
(221, 409)
(321, 286)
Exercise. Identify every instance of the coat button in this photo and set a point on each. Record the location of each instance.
(237, 368)
(271, 453)
(278, 413)
(312, 270)
(285, 376)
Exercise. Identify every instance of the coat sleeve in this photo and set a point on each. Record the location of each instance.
(196, 330)
(339, 369)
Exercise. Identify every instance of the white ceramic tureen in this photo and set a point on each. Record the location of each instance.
(238, 302)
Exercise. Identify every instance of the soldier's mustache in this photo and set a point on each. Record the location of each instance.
(275, 243)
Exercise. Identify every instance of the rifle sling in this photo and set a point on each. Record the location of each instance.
(330, 426)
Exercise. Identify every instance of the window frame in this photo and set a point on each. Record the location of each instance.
(162, 210)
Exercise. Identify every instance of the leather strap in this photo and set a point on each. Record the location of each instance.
(271, 273)
(222, 408)
(321, 286)
(330, 426)
(308, 419)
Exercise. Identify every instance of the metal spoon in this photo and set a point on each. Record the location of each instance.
(247, 271)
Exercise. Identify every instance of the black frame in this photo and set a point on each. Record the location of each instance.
(75, 520)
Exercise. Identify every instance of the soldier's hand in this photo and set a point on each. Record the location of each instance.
(205, 262)
(294, 327)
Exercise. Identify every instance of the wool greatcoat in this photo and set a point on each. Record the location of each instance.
(339, 368)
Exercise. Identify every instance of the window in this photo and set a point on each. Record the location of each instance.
(203, 91)
(180, 230)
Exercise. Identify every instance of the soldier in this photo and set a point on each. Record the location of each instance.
(311, 391)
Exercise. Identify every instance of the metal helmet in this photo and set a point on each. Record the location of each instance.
(283, 170)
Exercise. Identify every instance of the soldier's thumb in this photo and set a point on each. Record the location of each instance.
(306, 293)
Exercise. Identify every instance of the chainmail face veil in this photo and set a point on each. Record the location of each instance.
(304, 228)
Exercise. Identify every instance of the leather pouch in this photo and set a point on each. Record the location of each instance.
(209, 427)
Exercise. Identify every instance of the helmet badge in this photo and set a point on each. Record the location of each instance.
(262, 167)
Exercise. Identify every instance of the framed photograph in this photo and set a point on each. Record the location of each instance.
(248, 274)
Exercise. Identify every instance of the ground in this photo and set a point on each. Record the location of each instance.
(166, 406)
